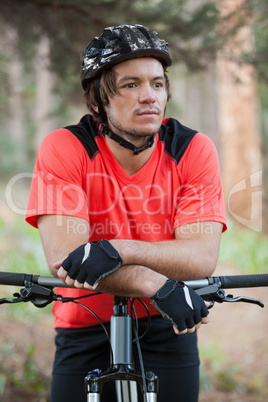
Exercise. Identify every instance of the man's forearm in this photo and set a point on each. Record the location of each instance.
(177, 259)
(147, 265)
(132, 281)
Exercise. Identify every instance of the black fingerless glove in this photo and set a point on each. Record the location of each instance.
(179, 304)
(92, 262)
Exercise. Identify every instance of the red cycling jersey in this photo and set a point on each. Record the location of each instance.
(77, 175)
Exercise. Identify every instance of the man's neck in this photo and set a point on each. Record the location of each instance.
(129, 162)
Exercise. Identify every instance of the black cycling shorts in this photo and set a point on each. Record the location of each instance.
(173, 358)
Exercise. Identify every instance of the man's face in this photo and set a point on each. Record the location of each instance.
(139, 107)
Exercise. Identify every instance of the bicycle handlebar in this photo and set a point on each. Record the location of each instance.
(225, 282)
(245, 281)
(231, 281)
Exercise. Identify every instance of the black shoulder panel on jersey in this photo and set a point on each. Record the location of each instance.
(85, 131)
(176, 138)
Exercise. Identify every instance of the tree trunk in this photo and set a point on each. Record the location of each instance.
(45, 99)
(240, 134)
(16, 129)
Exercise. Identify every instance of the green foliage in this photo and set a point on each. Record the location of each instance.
(227, 380)
(29, 380)
(21, 251)
(211, 373)
(3, 87)
(196, 31)
(8, 150)
(245, 249)
(21, 248)
(190, 27)
(231, 379)
(260, 57)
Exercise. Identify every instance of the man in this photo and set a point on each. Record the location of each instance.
(128, 203)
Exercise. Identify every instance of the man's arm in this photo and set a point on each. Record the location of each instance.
(62, 234)
(192, 254)
(146, 266)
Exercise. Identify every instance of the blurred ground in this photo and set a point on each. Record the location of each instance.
(233, 349)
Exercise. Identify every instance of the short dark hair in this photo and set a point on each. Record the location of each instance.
(108, 89)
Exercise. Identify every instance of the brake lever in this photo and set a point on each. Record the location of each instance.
(213, 293)
(9, 300)
(40, 296)
(231, 299)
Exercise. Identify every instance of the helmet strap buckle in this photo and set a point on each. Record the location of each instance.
(124, 143)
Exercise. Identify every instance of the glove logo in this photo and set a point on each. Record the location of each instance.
(188, 297)
(86, 252)
(173, 300)
(92, 262)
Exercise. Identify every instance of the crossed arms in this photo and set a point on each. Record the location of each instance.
(146, 265)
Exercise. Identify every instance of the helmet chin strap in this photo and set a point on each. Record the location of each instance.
(124, 143)
(105, 130)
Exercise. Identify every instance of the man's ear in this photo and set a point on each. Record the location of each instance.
(95, 108)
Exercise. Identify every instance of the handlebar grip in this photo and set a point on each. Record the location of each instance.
(244, 281)
(15, 279)
(18, 279)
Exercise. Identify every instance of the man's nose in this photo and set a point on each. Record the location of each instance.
(147, 94)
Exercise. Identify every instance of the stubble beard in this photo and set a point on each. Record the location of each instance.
(133, 135)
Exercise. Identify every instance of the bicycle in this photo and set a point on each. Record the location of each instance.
(39, 290)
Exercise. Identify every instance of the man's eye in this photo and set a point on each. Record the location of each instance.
(130, 85)
(158, 85)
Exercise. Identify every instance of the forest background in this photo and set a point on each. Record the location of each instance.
(219, 83)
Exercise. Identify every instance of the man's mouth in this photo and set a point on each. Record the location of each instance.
(148, 112)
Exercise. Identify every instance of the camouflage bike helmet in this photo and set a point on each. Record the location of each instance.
(119, 43)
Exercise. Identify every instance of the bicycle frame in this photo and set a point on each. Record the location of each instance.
(121, 366)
